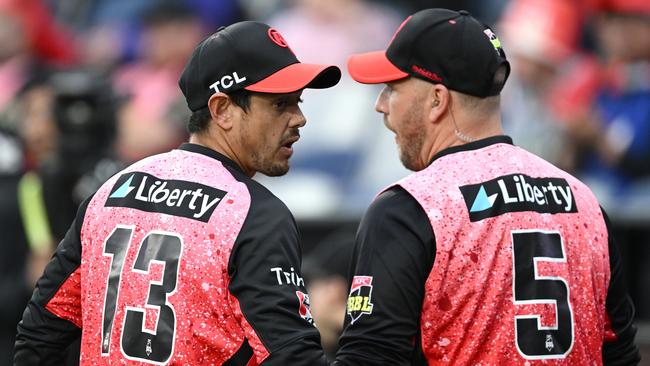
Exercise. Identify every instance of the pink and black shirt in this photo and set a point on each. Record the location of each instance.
(179, 259)
(489, 256)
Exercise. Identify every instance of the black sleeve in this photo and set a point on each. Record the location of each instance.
(395, 246)
(620, 310)
(42, 336)
(265, 278)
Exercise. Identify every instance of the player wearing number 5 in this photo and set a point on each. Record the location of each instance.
(487, 254)
(183, 259)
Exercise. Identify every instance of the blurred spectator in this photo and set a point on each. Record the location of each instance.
(540, 37)
(28, 37)
(329, 31)
(109, 31)
(150, 121)
(325, 269)
(67, 123)
(13, 57)
(47, 40)
(15, 284)
(610, 123)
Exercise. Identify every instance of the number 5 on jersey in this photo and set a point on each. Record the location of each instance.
(137, 343)
(535, 341)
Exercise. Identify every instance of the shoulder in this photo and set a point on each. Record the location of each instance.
(265, 208)
(393, 201)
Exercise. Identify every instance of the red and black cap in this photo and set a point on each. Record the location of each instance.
(440, 46)
(249, 55)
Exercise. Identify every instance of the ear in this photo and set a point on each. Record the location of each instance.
(220, 105)
(438, 102)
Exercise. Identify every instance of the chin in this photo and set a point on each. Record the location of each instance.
(276, 170)
(409, 163)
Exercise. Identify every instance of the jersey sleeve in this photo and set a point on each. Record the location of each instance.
(393, 255)
(618, 346)
(52, 319)
(268, 290)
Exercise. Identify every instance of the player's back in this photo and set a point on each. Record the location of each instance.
(521, 268)
(156, 242)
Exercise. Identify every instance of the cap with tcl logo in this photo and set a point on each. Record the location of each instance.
(441, 46)
(249, 55)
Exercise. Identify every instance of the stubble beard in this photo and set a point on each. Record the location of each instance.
(264, 161)
(268, 167)
(412, 141)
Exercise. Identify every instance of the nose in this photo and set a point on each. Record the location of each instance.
(381, 104)
(298, 120)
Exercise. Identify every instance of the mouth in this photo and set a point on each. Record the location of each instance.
(288, 143)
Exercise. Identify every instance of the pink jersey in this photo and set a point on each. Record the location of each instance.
(521, 267)
(144, 262)
(180, 259)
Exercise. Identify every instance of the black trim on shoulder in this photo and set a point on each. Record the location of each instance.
(474, 145)
(203, 150)
(242, 356)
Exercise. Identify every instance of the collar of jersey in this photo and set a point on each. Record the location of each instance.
(200, 149)
(474, 145)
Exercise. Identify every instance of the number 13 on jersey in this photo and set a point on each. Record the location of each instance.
(136, 342)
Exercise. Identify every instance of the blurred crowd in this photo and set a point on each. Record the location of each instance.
(89, 86)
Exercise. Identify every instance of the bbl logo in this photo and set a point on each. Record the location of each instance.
(360, 296)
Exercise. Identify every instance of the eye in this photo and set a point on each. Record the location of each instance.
(280, 103)
(285, 102)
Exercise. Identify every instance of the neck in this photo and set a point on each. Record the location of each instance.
(220, 145)
(460, 131)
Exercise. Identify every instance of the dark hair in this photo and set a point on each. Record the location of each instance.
(201, 117)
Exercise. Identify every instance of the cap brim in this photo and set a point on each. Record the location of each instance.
(373, 68)
(298, 76)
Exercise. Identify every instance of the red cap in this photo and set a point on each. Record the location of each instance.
(373, 68)
(295, 77)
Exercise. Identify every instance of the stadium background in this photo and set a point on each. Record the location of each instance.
(88, 86)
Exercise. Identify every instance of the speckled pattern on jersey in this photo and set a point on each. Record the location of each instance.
(468, 315)
(209, 326)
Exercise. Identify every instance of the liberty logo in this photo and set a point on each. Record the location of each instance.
(516, 193)
(146, 192)
(482, 201)
(124, 189)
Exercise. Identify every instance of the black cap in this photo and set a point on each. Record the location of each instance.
(252, 56)
(441, 46)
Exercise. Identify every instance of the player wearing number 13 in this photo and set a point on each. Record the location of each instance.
(183, 259)
(487, 255)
